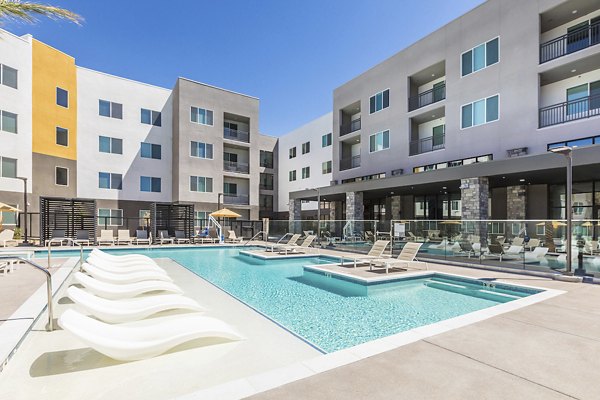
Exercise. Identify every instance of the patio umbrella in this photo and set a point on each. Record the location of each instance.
(6, 208)
(225, 213)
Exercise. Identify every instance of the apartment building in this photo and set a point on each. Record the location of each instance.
(305, 162)
(459, 124)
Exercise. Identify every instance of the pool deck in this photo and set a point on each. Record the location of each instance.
(547, 350)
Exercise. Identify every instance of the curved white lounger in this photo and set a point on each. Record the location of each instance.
(118, 268)
(123, 291)
(129, 343)
(117, 311)
(129, 277)
(123, 257)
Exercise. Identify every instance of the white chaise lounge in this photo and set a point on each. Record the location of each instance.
(537, 255)
(128, 343)
(123, 291)
(292, 242)
(125, 277)
(375, 253)
(131, 258)
(117, 311)
(117, 267)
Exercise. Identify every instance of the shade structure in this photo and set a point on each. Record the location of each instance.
(6, 208)
(225, 213)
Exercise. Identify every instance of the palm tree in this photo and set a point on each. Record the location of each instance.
(27, 11)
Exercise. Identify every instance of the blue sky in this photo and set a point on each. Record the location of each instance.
(291, 54)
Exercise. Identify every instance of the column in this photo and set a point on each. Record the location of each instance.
(475, 193)
(295, 215)
(396, 207)
(516, 202)
(354, 212)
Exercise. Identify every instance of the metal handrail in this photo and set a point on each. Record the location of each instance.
(350, 127)
(567, 111)
(252, 238)
(559, 47)
(349, 162)
(50, 327)
(234, 134)
(427, 144)
(284, 236)
(427, 97)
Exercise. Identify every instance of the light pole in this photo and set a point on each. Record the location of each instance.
(25, 242)
(568, 153)
(318, 213)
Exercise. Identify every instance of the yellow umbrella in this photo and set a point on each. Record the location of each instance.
(554, 224)
(6, 208)
(588, 223)
(225, 213)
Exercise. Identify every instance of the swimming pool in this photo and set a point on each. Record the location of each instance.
(333, 314)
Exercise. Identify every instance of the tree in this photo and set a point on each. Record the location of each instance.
(27, 11)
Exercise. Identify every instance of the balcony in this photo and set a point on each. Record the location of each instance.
(237, 135)
(438, 93)
(572, 42)
(232, 166)
(350, 127)
(568, 111)
(349, 162)
(240, 199)
(427, 144)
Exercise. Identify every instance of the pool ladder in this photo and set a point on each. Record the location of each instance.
(253, 237)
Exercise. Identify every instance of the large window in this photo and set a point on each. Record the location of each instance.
(110, 145)
(454, 163)
(8, 122)
(305, 172)
(150, 117)
(480, 112)
(265, 202)
(292, 175)
(588, 141)
(62, 97)
(202, 116)
(150, 150)
(110, 217)
(202, 150)
(480, 57)
(326, 167)
(201, 184)
(293, 152)
(149, 184)
(266, 181)
(9, 76)
(8, 167)
(200, 218)
(61, 176)
(230, 189)
(110, 109)
(305, 147)
(579, 100)
(62, 136)
(266, 159)
(379, 101)
(106, 180)
(379, 141)
(326, 140)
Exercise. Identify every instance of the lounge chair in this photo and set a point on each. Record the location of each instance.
(6, 267)
(163, 237)
(467, 248)
(106, 237)
(123, 268)
(537, 255)
(232, 238)
(140, 341)
(443, 245)
(293, 241)
(298, 248)
(7, 236)
(142, 237)
(591, 247)
(376, 252)
(58, 237)
(406, 258)
(496, 250)
(124, 277)
(412, 238)
(123, 237)
(531, 244)
(123, 291)
(180, 237)
(82, 237)
(213, 237)
(122, 258)
(117, 311)
(518, 241)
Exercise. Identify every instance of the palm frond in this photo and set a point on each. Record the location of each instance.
(27, 11)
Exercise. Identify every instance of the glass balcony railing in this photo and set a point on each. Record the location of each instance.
(350, 127)
(568, 111)
(349, 163)
(428, 144)
(239, 199)
(231, 166)
(434, 95)
(234, 134)
(570, 43)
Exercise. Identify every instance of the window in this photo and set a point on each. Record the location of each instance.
(201, 184)
(8, 122)
(107, 180)
(379, 141)
(480, 57)
(150, 150)
(61, 176)
(110, 109)
(9, 217)
(144, 218)
(62, 97)
(305, 172)
(480, 112)
(202, 150)
(578, 100)
(149, 184)
(8, 167)
(230, 189)
(265, 202)
(266, 181)
(326, 140)
(231, 158)
(293, 152)
(230, 126)
(150, 117)
(379, 101)
(292, 176)
(200, 218)
(305, 147)
(266, 159)
(62, 136)
(110, 217)
(202, 116)
(454, 163)
(9, 76)
(110, 145)
(326, 167)
(576, 142)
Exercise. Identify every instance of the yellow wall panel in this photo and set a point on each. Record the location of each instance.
(52, 69)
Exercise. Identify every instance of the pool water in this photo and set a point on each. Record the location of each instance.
(329, 313)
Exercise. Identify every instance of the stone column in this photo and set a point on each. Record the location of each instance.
(475, 194)
(295, 215)
(516, 202)
(355, 211)
(396, 207)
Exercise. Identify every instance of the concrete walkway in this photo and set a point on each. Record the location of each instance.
(549, 350)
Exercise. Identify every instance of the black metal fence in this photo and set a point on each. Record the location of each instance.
(349, 162)
(431, 96)
(567, 111)
(172, 217)
(571, 42)
(427, 144)
(350, 127)
(234, 134)
(68, 215)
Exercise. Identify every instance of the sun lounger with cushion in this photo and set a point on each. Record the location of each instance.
(407, 259)
(376, 252)
(302, 248)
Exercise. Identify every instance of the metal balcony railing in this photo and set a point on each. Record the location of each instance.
(234, 134)
(428, 144)
(232, 166)
(349, 163)
(561, 113)
(426, 98)
(350, 127)
(570, 43)
(240, 199)
(266, 186)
